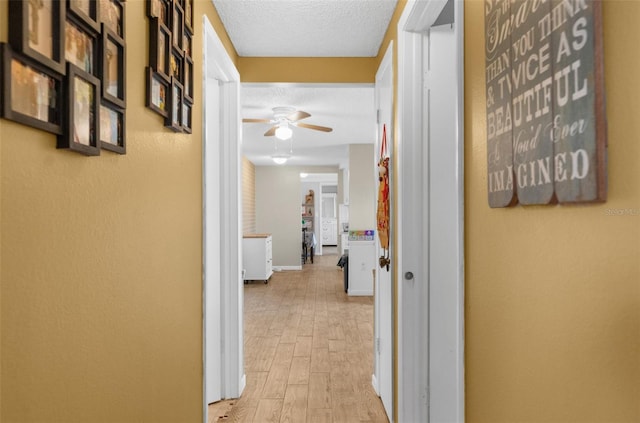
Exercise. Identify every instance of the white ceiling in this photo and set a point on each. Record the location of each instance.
(347, 108)
(308, 28)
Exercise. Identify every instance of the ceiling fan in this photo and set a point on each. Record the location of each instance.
(282, 120)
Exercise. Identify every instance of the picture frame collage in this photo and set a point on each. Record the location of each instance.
(169, 76)
(63, 71)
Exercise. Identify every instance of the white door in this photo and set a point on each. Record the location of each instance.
(383, 339)
(430, 248)
(329, 220)
(212, 225)
(445, 214)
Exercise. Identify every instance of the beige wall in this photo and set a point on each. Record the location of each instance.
(101, 285)
(278, 204)
(3, 36)
(361, 187)
(308, 69)
(553, 293)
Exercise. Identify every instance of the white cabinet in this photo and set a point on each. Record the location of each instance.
(344, 242)
(257, 257)
(329, 232)
(362, 262)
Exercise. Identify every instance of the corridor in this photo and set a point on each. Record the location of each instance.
(308, 351)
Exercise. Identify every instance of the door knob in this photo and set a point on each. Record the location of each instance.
(408, 275)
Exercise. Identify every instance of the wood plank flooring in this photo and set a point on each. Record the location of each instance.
(308, 351)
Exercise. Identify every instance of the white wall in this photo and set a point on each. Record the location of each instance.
(278, 212)
(278, 204)
(362, 210)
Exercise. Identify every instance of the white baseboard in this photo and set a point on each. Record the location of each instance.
(374, 383)
(283, 268)
(360, 293)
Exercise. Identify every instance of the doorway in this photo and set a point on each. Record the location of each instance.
(430, 270)
(382, 377)
(223, 365)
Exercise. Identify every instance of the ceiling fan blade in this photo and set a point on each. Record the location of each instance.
(299, 115)
(271, 132)
(256, 120)
(314, 127)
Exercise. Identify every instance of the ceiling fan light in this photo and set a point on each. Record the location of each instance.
(283, 132)
(280, 160)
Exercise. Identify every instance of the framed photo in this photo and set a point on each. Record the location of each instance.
(113, 67)
(160, 49)
(174, 119)
(112, 16)
(80, 47)
(187, 43)
(159, 9)
(176, 66)
(87, 12)
(187, 72)
(186, 117)
(32, 93)
(82, 121)
(36, 30)
(112, 133)
(177, 28)
(157, 93)
(188, 15)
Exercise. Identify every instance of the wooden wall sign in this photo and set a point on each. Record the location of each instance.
(546, 124)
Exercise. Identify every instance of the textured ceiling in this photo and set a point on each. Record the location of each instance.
(347, 108)
(306, 28)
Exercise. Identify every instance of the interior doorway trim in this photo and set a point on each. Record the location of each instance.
(218, 67)
(430, 353)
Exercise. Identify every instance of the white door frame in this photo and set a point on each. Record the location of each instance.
(382, 378)
(217, 66)
(430, 357)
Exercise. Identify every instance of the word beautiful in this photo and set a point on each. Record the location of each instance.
(536, 101)
(540, 95)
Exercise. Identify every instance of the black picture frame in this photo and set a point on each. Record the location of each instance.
(177, 26)
(87, 12)
(40, 105)
(187, 78)
(112, 128)
(187, 43)
(160, 49)
(82, 121)
(29, 31)
(176, 65)
(112, 15)
(188, 15)
(169, 78)
(187, 116)
(173, 120)
(81, 46)
(113, 65)
(160, 9)
(157, 93)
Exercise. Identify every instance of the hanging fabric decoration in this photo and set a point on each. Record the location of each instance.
(383, 201)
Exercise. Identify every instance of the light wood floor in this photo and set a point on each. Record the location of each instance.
(308, 351)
